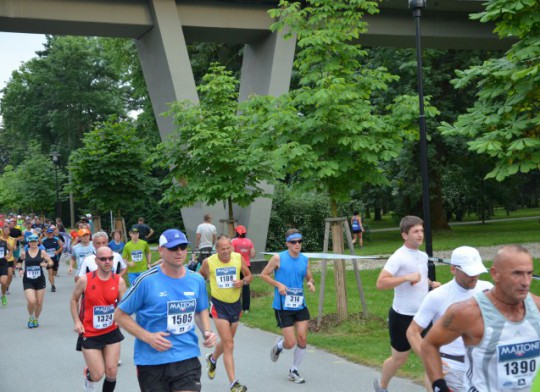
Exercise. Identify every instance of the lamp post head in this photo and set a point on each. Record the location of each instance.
(417, 4)
(55, 157)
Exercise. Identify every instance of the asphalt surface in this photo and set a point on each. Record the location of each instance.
(45, 359)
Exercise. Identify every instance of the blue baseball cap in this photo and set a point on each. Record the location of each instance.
(171, 238)
(50, 230)
(33, 238)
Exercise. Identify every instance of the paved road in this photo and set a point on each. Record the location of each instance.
(45, 359)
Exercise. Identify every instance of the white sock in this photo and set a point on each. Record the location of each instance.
(280, 344)
(298, 356)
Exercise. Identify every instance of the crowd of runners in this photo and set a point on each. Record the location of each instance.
(472, 335)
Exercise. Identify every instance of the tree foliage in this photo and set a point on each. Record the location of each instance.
(111, 168)
(209, 156)
(504, 122)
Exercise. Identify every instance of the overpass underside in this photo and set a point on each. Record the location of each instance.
(162, 28)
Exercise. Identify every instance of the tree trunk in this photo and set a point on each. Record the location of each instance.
(339, 266)
(230, 223)
(97, 223)
(438, 216)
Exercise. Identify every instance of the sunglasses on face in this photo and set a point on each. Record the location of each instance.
(181, 247)
(295, 242)
(111, 258)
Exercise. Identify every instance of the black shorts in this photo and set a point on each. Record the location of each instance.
(11, 264)
(34, 284)
(397, 327)
(287, 318)
(357, 231)
(100, 341)
(177, 376)
(56, 262)
(226, 311)
(3, 267)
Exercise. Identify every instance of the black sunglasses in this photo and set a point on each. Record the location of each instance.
(110, 258)
(181, 247)
(295, 242)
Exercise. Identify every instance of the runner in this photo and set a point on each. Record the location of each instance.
(245, 247)
(116, 244)
(53, 247)
(223, 270)
(137, 255)
(5, 251)
(33, 278)
(206, 238)
(406, 273)
(466, 266)
(80, 251)
(99, 336)
(357, 228)
(89, 264)
(500, 329)
(10, 255)
(169, 300)
(290, 267)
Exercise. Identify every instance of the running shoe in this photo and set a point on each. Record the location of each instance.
(4, 300)
(88, 385)
(7, 290)
(274, 353)
(237, 387)
(377, 386)
(53, 289)
(295, 377)
(35, 322)
(210, 367)
(31, 322)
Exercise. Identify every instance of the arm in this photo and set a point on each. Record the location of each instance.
(204, 270)
(149, 257)
(155, 340)
(453, 324)
(214, 238)
(309, 278)
(71, 262)
(252, 252)
(198, 240)
(203, 323)
(414, 336)
(387, 281)
(121, 287)
(247, 276)
(151, 233)
(272, 265)
(60, 248)
(47, 259)
(80, 286)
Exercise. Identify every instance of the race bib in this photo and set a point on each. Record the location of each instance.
(180, 316)
(225, 277)
(2, 253)
(103, 316)
(294, 298)
(33, 272)
(355, 225)
(137, 256)
(517, 364)
(51, 253)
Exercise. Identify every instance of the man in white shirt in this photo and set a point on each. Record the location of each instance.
(466, 266)
(206, 238)
(100, 240)
(405, 272)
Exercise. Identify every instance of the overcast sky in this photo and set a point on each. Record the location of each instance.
(16, 48)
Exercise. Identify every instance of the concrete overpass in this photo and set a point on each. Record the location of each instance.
(162, 28)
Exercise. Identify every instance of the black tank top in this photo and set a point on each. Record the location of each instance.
(30, 263)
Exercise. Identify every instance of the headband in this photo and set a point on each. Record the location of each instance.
(295, 236)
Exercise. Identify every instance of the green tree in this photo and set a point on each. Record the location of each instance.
(503, 123)
(110, 170)
(209, 156)
(333, 135)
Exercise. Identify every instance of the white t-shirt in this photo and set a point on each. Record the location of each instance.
(407, 296)
(89, 264)
(436, 303)
(207, 231)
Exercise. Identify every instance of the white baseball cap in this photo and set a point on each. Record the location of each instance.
(468, 260)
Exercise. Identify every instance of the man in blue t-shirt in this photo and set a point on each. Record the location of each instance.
(290, 268)
(169, 301)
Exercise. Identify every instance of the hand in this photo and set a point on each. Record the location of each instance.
(79, 327)
(70, 270)
(210, 339)
(434, 285)
(414, 278)
(158, 342)
(282, 289)
(21, 272)
(238, 283)
(311, 285)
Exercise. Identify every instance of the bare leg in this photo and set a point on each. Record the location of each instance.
(392, 365)
(226, 333)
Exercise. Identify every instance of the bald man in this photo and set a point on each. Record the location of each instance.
(500, 329)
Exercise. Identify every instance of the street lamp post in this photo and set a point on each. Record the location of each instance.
(416, 6)
(56, 158)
